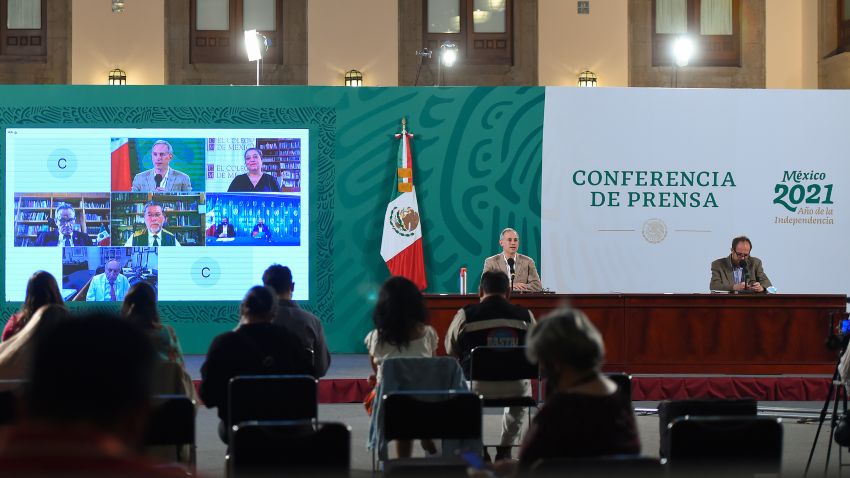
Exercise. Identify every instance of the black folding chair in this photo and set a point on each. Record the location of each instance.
(624, 385)
(290, 448)
(443, 415)
(669, 410)
(10, 395)
(272, 397)
(172, 423)
(738, 445)
(625, 466)
(497, 364)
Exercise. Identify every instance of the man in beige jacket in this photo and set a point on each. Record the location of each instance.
(519, 268)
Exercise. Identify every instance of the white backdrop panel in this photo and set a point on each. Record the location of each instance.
(750, 140)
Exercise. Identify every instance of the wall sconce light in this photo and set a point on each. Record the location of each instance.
(587, 79)
(353, 78)
(117, 77)
(117, 6)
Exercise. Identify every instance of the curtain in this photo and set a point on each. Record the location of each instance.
(671, 16)
(715, 17)
(24, 14)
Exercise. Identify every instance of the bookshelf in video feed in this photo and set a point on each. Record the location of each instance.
(198, 214)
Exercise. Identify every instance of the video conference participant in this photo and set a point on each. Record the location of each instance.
(739, 271)
(225, 229)
(255, 180)
(169, 179)
(112, 285)
(261, 230)
(519, 268)
(65, 236)
(153, 234)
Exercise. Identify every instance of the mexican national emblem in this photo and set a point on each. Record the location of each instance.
(654, 231)
(404, 221)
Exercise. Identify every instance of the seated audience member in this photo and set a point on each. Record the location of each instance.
(42, 289)
(256, 347)
(140, 308)
(401, 330)
(495, 322)
(87, 403)
(111, 285)
(64, 235)
(585, 417)
(261, 230)
(16, 353)
(299, 323)
(225, 229)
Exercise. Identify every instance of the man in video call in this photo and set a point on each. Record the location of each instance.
(225, 229)
(112, 285)
(153, 234)
(261, 231)
(739, 271)
(161, 177)
(64, 235)
(520, 269)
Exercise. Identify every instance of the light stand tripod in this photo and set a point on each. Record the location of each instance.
(836, 390)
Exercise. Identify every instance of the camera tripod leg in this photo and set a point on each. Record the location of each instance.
(823, 410)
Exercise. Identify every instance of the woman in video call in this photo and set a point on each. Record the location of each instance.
(255, 180)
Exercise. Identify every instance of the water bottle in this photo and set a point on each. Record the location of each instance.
(463, 281)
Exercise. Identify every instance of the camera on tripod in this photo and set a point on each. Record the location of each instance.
(839, 332)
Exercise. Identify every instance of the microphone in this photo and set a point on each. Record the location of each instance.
(746, 266)
(158, 179)
(511, 263)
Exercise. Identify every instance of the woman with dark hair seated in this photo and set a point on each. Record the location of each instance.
(585, 416)
(41, 290)
(140, 309)
(401, 330)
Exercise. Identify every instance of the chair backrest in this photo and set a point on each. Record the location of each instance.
(736, 442)
(614, 465)
(501, 363)
(272, 397)
(278, 447)
(624, 385)
(172, 421)
(10, 395)
(436, 415)
(669, 410)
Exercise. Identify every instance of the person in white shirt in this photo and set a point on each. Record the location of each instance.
(112, 285)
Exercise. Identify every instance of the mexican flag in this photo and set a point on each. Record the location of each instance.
(401, 244)
(122, 180)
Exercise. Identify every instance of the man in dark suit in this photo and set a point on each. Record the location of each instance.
(225, 229)
(739, 271)
(64, 235)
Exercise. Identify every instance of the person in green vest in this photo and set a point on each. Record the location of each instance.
(153, 234)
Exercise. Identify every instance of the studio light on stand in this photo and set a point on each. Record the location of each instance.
(252, 48)
(683, 50)
(448, 57)
(421, 54)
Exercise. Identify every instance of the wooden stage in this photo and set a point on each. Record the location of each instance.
(745, 334)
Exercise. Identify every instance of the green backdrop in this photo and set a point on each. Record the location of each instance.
(477, 169)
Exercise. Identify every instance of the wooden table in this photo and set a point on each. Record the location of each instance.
(693, 333)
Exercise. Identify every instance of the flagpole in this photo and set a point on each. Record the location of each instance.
(403, 126)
